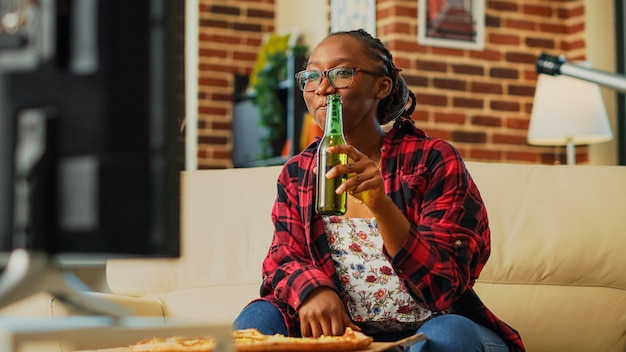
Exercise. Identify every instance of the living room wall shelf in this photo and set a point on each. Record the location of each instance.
(247, 133)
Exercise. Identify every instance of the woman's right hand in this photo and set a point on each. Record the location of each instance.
(323, 313)
(364, 182)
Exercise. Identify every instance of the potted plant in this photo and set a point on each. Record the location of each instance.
(271, 112)
(270, 70)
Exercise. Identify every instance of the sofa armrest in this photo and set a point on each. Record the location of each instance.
(138, 306)
(39, 305)
(43, 305)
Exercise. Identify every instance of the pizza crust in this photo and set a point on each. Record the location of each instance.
(251, 340)
(176, 344)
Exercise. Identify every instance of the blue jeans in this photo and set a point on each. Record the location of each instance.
(445, 333)
(451, 332)
(262, 316)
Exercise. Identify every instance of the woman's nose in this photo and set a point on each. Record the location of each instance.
(325, 87)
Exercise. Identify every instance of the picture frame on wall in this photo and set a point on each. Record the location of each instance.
(456, 24)
(348, 15)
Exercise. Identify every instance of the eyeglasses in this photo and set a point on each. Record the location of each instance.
(338, 77)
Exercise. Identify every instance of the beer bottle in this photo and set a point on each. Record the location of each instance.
(328, 202)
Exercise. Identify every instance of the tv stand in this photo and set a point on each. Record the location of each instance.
(30, 272)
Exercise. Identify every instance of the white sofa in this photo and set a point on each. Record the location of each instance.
(557, 271)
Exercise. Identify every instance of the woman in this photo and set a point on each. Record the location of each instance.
(414, 238)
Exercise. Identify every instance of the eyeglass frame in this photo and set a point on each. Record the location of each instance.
(325, 74)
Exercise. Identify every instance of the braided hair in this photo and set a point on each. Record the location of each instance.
(395, 104)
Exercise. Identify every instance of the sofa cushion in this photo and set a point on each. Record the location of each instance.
(550, 225)
(556, 271)
(226, 222)
(560, 317)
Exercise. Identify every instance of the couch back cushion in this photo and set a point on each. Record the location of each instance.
(557, 269)
(226, 231)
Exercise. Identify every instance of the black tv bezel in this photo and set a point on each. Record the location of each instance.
(125, 117)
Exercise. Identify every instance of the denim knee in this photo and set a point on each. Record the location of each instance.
(263, 316)
(451, 332)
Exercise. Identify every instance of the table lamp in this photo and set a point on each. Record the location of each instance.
(567, 111)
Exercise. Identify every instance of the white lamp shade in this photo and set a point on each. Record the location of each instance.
(565, 110)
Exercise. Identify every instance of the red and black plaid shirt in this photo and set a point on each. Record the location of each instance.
(445, 252)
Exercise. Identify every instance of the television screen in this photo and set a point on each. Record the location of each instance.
(91, 109)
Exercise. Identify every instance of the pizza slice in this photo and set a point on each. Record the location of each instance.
(175, 344)
(251, 340)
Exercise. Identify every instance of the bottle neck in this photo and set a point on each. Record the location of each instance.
(334, 123)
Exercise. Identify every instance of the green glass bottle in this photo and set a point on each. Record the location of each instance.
(328, 202)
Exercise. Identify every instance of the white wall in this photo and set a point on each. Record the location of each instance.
(191, 84)
(600, 26)
(309, 16)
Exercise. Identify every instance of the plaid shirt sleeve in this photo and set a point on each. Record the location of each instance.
(293, 266)
(449, 241)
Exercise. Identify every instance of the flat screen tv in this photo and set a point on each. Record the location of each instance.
(91, 147)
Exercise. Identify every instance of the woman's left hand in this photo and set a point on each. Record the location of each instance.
(364, 180)
(366, 183)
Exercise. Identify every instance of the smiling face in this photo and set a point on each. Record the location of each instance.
(360, 100)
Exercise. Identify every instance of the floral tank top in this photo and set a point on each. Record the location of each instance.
(377, 298)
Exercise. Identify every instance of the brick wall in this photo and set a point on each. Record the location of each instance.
(230, 33)
(480, 101)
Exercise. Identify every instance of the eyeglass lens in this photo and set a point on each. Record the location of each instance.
(338, 77)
